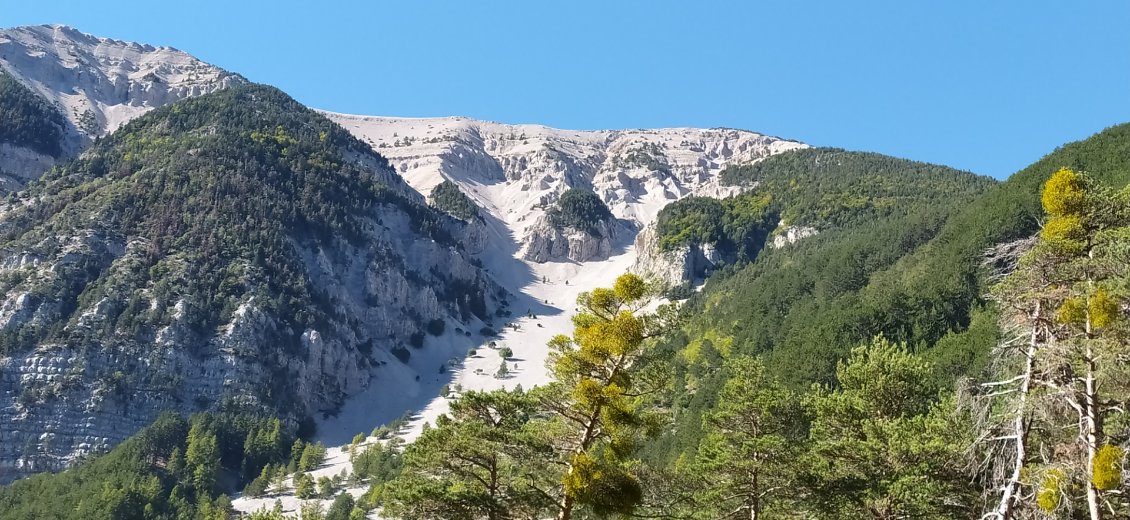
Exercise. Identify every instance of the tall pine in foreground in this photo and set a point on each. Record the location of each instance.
(595, 400)
(882, 445)
(476, 463)
(1067, 435)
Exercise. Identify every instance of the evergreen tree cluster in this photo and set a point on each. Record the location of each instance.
(219, 188)
(173, 469)
(28, 120)
(578, 209)
(448, 198)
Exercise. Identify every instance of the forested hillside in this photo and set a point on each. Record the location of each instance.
(236, 251)
(919, 280)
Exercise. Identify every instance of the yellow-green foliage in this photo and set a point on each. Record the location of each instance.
(721, 342)
(630, 288)
(1050, 494)
(1108, 467)
(1066, 234)
(606, 487)
(1103, 308)
(1072, 312)
(1065, 228)
(1064, 193)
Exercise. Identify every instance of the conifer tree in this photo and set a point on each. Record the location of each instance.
(1074, 278)
(747, 459)
(202, 458)
(595, 399)
(881, 445)
(480, 461)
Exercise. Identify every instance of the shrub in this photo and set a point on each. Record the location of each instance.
(436, 327)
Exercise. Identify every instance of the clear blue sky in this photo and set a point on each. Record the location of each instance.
(982, 85)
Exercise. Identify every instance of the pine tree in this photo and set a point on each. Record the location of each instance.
(747, 458)
(478, 462)
(1077, 271)
(595, 398)
(881, 446)
(202, 458)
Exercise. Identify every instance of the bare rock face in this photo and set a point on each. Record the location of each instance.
(18, 165)
(682, 265)
(100, 83)
(546, 243)
(60, 402)
(791, 235)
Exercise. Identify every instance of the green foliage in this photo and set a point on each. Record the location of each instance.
(1079, 268)
(578, 209)
(341, 507)
(378, 463)
(219, 189)
(475, 463)
(908, 264)
(828, 187)
(313, 455)
(689, 221)
(736, 225)
(880, 442)
(146, 476)
(29, 121)
(505, 353)
(304, 487)
(747, 459)
(202, 458)
(597, 413)
(448, 198)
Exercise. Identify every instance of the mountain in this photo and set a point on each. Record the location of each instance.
(89, 87)
(231, 251)
(516, 173)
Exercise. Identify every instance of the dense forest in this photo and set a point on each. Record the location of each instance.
(217, 188)
(29, 120)
(175, 468)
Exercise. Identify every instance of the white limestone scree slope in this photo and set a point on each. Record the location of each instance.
(513, 172)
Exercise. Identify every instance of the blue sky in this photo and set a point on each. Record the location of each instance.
(981, 85)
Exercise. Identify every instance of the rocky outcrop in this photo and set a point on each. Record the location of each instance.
(685, 264)
(99, 83)
(19, 165)
(513, 172)
(61, 402)
(791, 235)
(546, 243)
